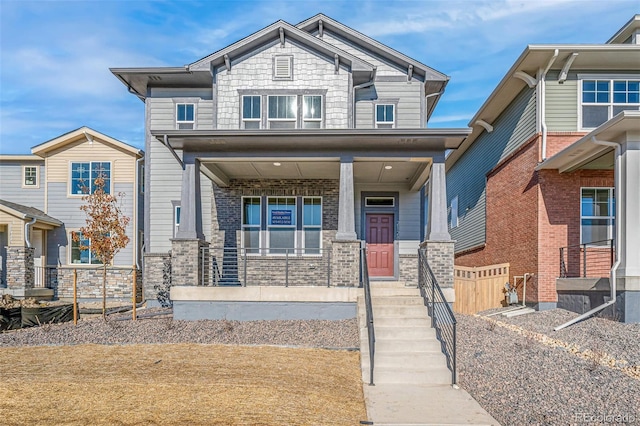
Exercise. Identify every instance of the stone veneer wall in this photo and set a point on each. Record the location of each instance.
(345, 268)
(89, 283)
(157, 272)
(440, 258)
(20, 269)
(408, 268)
(187, 265)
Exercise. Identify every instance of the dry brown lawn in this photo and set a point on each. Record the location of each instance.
(183, 384)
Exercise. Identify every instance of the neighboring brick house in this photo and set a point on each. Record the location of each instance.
(40, 199)
(296, 142)
(529, 180)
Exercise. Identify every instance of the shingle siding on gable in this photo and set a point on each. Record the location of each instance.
(467, 177)
(310, 72)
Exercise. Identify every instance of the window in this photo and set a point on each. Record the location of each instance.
(454, 212)
(82, 256)
(185, 116)
(251, 116)
(251, 223)
(311, 224)
(602, 99)
(282, 69)
(385, 116)
(312, 112)
(281, 224)
(84, 175)
(176, 220)
(30, 176)
(379, 201)
(282, 112)
(596, 215)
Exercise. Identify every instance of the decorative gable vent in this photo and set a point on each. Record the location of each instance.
(282, 69)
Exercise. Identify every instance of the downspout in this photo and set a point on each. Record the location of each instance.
(541, 102)
(362, 86)
(136, 202)
(614, 269)
(27, 231)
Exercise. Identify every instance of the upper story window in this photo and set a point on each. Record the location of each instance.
(251, 112)
(30, 176)
(282, 112)
(84, 175)
(602, 99)
(312, 112)
(283, 67)
(185, 116)
(176, 220)
(385, 116)
(597, 212)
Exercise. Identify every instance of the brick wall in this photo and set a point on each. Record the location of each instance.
(408, 268)
(530, 215)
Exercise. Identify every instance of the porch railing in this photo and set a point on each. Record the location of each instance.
(590, 260)
(364, 274)
(265, 266)
(442, 317)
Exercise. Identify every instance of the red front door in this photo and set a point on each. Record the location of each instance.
(379, 244)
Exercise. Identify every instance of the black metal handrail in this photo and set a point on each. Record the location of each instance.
(442, 317)
(587, 259)
(364, 274)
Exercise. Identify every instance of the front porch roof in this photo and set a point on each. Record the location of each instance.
(585, 151)
(25, 212)
(323, 142)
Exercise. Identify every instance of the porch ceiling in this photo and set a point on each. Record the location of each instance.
(410, 172)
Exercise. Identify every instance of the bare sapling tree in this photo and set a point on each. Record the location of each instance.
(105, 232)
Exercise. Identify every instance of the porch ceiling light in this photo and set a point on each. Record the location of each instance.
(277, 164)
(388, 167)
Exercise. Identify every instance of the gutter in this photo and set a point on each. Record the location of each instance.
(614, 269)
(135, 209)
(541, 102)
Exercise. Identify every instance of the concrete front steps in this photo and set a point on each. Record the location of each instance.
(412, 381)
(406, 348)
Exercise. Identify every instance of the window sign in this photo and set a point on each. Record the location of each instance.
(281, 217)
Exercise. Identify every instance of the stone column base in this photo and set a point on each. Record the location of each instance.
(345, 263)
(440, 256)
(187, 266)
(20, 269)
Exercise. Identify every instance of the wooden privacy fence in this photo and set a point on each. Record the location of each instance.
(479, 288)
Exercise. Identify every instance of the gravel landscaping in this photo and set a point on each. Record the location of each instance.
(522, 372)
(161, 328)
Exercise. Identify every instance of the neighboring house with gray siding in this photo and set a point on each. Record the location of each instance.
(289, 149)
(40, 199)
(532, 187)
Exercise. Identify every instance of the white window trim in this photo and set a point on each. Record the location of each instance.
(455, 220)
(195, 114)
(24, 177)
(70, 253)
(315, 120)
(296, 245)
(375, 114)
(243, 226)
(244, 120)
(176, 221)
(294, 119)
(71, 194)
(289, 59)
(611, 217)
(303, 248)
(610, 104)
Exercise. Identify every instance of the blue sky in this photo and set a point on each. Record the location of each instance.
(55, 55)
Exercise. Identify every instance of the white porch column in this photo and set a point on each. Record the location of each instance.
(190, 203)
(346, 212)
(437, 229)
(628, 214)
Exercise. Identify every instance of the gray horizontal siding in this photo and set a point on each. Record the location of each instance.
(162, 113)
(467, 177)
(11, 185)
(68, 211)
(406, 94)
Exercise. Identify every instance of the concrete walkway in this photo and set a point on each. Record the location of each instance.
(412, 381)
